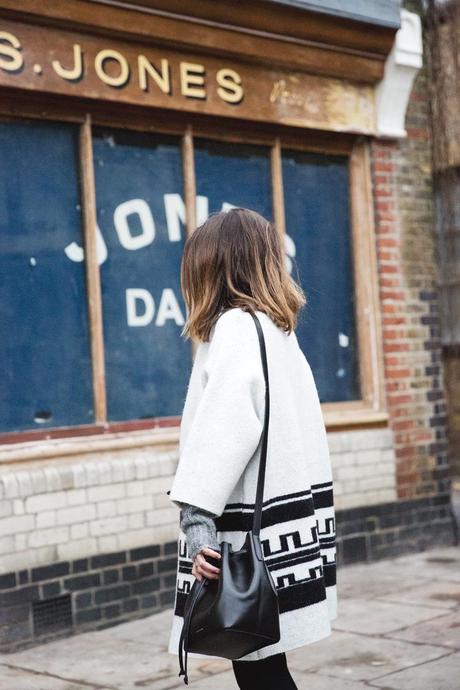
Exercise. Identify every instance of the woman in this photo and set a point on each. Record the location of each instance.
(233, 264)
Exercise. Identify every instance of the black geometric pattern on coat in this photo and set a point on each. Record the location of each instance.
(298, 595)
(282, 551)
(295, 539)
(237, 517)
(323, 495)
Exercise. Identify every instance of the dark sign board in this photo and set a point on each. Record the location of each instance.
(68, 63)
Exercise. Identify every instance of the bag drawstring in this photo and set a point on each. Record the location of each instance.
(183, 641)
(183, 668)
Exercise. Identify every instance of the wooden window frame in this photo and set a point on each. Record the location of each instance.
(370, 410)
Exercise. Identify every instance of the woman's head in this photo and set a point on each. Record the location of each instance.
(236, 259)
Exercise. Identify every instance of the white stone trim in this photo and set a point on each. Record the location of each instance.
(402, 64)
(84, 445)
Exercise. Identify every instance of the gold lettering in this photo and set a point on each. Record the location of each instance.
(74, 72)
(229, 89)
(14, 60)
(109, 54)
(191, 80)
(146, 68)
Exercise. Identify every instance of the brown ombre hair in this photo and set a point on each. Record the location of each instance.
(235, 259)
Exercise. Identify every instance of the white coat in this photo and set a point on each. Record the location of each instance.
(219, 454)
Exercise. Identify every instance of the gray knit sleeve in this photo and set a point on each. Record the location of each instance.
(199, 528)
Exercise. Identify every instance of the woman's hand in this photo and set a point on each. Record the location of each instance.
(201, 568)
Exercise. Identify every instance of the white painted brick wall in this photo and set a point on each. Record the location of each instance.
(79, 506)
(363, 467)
(101, 502)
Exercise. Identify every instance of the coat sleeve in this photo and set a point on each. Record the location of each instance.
(227, 425)
(199, 528)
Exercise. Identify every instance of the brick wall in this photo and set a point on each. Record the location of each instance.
(38, 604)
(452, 368)
(363, 467)
(89, 540)
(78, 507)
(403, 195)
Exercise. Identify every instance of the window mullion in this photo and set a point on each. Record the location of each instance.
(188, 165)
(93, 281)
(277, 187)
(367, 305)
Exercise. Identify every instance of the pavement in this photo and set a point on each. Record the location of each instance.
(398, 628)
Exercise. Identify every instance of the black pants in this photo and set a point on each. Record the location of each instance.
(271, 673)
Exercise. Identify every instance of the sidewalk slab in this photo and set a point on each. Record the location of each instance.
(120, 664)
(429, 594)
(442, 674)
(398, 628)
(13, 679)
(350, 656)
(444, 631)
(369, 580)
(379, 617)
(309, 681)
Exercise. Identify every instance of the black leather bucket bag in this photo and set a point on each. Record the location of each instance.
(238, 613)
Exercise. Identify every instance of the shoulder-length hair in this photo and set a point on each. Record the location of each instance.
(235, 259)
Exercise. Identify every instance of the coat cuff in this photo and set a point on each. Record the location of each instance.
(199, 529)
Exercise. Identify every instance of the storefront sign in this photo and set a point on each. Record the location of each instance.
(67, 63)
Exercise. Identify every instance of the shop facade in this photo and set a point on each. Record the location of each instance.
(122, 127)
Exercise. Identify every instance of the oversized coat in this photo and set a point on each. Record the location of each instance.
(219, 451)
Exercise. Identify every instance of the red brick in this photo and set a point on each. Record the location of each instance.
(385, 205)
(383, 167)
(403, 424)
(418, 133)
(398, 373)
(390, 282)
(389, 268)
(389, 242)
(400, 399)
(394, 320)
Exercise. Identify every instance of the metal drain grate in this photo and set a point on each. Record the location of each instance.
(52, 615)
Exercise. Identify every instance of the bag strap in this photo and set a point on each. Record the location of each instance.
(263, 452)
